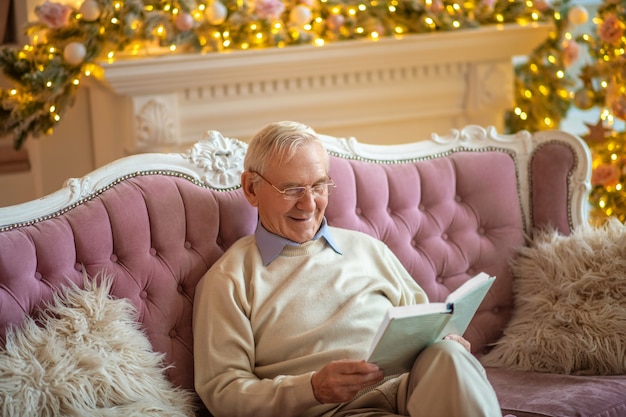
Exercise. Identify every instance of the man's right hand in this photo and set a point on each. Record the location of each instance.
(340, 381)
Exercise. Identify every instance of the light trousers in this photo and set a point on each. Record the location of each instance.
(446, 381)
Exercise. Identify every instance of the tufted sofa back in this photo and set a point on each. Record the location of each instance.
(157, 234)
(446, 217)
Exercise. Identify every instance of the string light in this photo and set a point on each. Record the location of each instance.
(111, 28)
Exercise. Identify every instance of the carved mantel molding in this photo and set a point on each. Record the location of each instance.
(388, 91)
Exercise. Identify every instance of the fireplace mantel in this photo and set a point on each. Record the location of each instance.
(385, 91)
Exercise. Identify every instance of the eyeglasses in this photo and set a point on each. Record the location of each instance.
(296, 193)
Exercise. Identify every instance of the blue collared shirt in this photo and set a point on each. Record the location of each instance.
(270, 245)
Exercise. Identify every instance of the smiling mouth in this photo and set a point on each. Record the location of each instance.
(301, 220)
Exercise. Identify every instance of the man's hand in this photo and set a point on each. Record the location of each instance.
(466, 344)
(340, 381)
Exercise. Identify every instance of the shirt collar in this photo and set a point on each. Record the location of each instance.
(270, 245)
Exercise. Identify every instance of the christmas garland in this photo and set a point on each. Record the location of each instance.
(67, 43)
(546, 90)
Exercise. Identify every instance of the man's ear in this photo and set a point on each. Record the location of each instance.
(248, 187)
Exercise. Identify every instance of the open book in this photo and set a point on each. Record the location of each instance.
(407, 330)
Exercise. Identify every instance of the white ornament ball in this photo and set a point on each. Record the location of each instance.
(300, 15)
(74, 53)
(216, 13)
(89, 10)
(183, 22)
(578, 15)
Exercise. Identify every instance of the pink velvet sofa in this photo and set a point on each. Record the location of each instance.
(449, 206)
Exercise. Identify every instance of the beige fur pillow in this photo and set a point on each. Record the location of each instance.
(570, 296)
(86, 357)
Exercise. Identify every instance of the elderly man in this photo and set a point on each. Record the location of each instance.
(283, 320)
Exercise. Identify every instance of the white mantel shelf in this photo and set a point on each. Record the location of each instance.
(386, 91)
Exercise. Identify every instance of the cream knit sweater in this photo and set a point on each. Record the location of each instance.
(261, 331)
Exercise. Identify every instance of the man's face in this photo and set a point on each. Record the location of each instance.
(296, 220)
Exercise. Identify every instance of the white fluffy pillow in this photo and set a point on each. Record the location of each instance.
(570, 296)
(86, 357)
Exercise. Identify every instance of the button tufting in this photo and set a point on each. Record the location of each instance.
(421, 207)
(481, 230)
(37, 275)
(113, 258)
(414, 243)
(143, 295)
(173, 333)
(496, 309)
(358, 211)
(444, 236)
(78, 266)
(153, 251)
(440, 280)
(187, 245)
(180, 289)
(457, 198)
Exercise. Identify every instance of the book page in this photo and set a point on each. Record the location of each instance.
(465, 303)
(399, 312)
(403, 340)
(468, 286)
(406, 330)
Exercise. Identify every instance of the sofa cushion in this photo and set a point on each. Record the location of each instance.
(537, 394)
(86, 355)
(570, 294)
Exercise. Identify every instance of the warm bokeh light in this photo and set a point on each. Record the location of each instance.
(47, 71)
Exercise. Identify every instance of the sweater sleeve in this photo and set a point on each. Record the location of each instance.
(409, 291)
(224, 351)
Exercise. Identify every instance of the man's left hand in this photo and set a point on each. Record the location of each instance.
(465, 343)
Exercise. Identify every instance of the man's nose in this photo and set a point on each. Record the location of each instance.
(308, 199)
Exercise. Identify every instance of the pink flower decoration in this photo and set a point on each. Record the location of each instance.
(307, 3)
(616, 100)
(618, 108)
(335, 21)
(571, 52)
(606, 175)
(53, 15)
(269, 9)
(611, 29)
